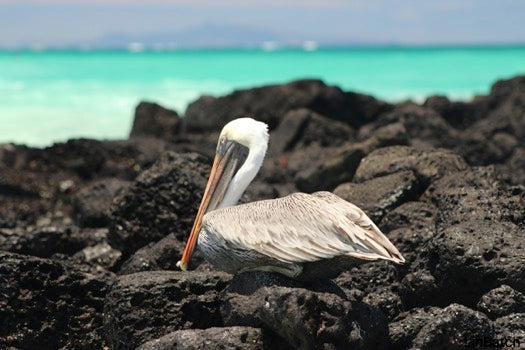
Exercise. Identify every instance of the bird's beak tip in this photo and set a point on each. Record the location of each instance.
(181, 265)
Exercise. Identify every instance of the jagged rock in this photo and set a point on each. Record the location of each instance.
(162, 255)
(89, 159)
(425, 128)
(426, 164)
(336, 169)
(283, 169)
(93, 201)
(502, 301)
(411, 215)
(387, 301)
(508, 105)
(146, 305)
(479, 149)
(404, 329)
(453, 327)
(479, 244)
(512, 171)
(475, 194)
(410, 226)
(457, 113)
(504, 94)
(28, 195)
(419, 288)
(288, 131)
(154, 120)
(301, 127)
(270, 103)
(305, 318)
(228, 338)
(371, 277)
(259, 190)
(163, 200)
(50, 305)
(381, 194)
(511, 327)
(470, 258)
(101, 254)
(46, 241)
(363, 108)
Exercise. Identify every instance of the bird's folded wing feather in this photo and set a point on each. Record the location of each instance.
(303, 227)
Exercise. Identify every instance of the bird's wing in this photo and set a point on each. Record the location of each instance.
(302, 227)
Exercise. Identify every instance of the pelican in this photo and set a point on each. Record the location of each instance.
(302, 236)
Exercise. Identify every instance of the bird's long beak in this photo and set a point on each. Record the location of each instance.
(222, 169)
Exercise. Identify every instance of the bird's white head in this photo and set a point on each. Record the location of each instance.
(240, 152)
(247, 132)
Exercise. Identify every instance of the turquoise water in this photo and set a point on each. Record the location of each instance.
(52, 96)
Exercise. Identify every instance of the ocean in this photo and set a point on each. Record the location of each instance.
(51, 96)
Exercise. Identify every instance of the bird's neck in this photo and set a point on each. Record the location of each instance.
(243, 177)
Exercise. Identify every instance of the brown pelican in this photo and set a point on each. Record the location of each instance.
(302, 236)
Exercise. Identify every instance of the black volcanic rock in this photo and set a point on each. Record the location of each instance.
(410, 226)
(163, 200)
(31, 197)
(480, 149)
(371, 277)
(512, 171)
(511, 326)
(454, 327)
(426, 164)
(93, 201)
(99, 255)
(480, 240)
(341, 164)
(458, 114)
(162, 255)
(379, 195)
(46, 304)
(270, 103)
(146, 305)
(424, 127)
(238, 338)
(301, 127)
(407, 326)
(288, 132)
(154, 120)
(321, 130)
(44, 242)
(475, 194)
(467, 262)
(387, 301)
(419, 288)
(502, 301)
(462, 115)
(91, 159)
(305, 318)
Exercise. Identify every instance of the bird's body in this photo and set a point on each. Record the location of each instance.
(302, 236)
(290, 234)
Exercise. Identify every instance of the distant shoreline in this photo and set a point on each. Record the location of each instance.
(151, 49)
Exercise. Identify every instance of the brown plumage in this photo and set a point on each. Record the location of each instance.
(285, 234)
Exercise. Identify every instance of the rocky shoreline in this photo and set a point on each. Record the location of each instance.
(90, 231)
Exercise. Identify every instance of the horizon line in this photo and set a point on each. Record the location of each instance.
(137, 47)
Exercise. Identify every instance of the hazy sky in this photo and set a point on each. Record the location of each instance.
(63, 22)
